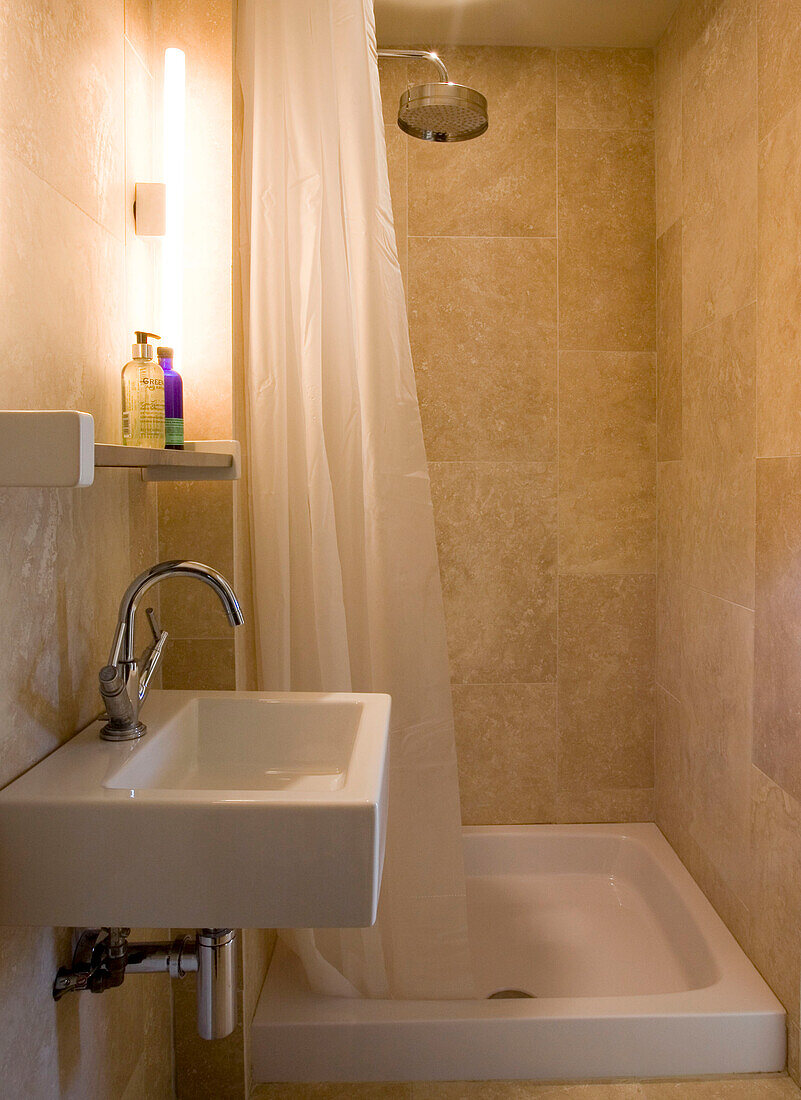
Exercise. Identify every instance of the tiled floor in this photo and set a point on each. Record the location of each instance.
(762, 1087)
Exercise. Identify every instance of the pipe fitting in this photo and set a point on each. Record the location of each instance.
(103, 958)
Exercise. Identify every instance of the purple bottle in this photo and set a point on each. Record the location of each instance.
(173, 402)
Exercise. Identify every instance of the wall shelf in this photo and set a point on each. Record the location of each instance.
(58, 449)
(209, 460)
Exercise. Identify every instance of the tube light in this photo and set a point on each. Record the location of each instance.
(172, 284)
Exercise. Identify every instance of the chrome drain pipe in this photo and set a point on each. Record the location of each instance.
(104, 958)
(216, 982)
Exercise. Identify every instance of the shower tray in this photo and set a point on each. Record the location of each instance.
(624, 966)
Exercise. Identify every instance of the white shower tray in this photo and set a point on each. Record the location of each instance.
(631, 971)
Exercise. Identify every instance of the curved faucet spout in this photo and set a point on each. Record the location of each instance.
(123, 649)
(123, 684)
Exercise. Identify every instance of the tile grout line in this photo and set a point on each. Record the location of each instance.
(656, 429)
(141, 59)
(61, 194)
(557, 710)
(753, 693)
(519, 237)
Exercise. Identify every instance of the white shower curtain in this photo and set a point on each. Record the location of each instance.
(346, 582)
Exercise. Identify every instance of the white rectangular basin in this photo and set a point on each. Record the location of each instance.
(236, 809)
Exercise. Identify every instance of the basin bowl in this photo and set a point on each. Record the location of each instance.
(236, 809)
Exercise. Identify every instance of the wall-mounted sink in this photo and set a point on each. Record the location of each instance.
(236, 809)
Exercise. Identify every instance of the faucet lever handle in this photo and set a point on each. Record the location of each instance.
(154, 623)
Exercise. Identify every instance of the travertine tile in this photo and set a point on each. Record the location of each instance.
(719, 426)
(667, 126)
(717, 686)
(200, 664)
(605, 89)
(606, 714)
(521, 1090)
(203, 1070)
(496, 532)
(738, 204)
(195, 523)
(139, 28)
(606, 241)
(66, 558)
(482, 319)
(669, 343)
(719, 160)
(142, 526)
(779, 36)
(140, 253)
(506, 748)
(61, 87)
(719, 238)
(393, 82)
(372, 1091)
(44, 303)
(793, 1043)
(776, 840)
(671, 764)
(204, 31)
(607, 468)
(718, 85)
(504, 182)
(710, 33)
(755, 1087)
(579, 807)
(779, 384)
(732, 910)
(671, 524)
(761, 1087)
(777, 699)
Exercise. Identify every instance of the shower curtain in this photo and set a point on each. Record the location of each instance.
(346, 582)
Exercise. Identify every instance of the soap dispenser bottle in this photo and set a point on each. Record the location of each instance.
(143, 396)
(173, 401)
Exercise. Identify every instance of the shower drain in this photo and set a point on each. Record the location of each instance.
(509, 994)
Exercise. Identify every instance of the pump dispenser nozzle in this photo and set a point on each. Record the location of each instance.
(141, 349)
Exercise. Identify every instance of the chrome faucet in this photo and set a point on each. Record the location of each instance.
(125, 680)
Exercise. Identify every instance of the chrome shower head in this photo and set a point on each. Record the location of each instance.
(443, 111)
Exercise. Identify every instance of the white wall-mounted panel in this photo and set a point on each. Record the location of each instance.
(47, 449)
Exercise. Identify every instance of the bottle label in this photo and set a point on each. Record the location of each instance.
(150, 403)
(127, 427)
(174, 430)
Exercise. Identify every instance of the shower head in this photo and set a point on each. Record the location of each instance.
(443, 111)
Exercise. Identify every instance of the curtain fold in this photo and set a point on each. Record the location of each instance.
(346, 581)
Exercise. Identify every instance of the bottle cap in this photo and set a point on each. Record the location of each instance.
(165, 353)
(140, 349)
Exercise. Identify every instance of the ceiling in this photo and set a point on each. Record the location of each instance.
(521, 22)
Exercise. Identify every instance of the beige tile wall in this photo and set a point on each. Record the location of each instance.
(530, 266)
(76, 130)
(728, 779)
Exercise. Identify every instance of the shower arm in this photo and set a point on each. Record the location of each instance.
(423, 55)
